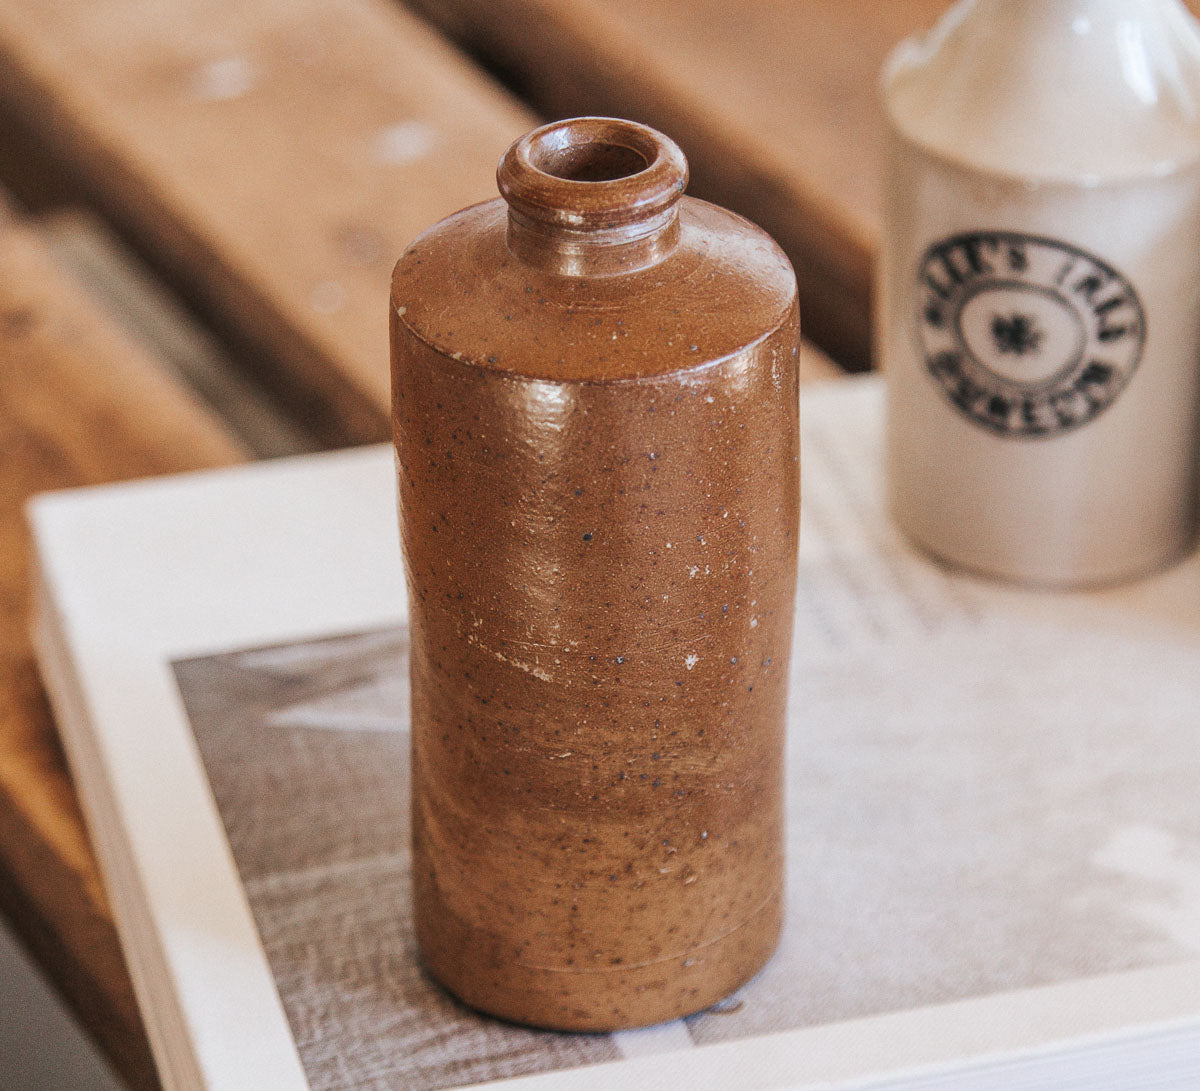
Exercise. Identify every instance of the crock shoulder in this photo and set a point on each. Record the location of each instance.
(441, 248)
(460, 290)
(743, 251)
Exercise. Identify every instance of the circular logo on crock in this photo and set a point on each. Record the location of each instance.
(1027, 336)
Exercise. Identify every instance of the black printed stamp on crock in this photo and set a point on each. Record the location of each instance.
(1027, 336)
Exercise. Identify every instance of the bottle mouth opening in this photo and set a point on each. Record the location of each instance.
(592, 172)
(593, 161)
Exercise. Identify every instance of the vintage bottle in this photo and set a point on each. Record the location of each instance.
(1039, 305)
(595, 408)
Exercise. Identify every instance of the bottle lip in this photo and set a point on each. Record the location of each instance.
(592, 173)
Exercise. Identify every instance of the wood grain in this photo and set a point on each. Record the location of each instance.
(272, 156)
(79, 404)
(84, 246)
(773, 101)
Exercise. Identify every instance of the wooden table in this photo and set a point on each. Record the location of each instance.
(241, 177)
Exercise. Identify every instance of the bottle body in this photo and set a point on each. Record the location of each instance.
(600, 551)
(1040, 332)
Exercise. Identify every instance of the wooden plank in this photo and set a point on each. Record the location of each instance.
(275, 156)
(773, 101)
(124, 288)
(815, 365)
(79, 404)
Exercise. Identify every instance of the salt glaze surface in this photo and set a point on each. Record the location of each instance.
(595, 392)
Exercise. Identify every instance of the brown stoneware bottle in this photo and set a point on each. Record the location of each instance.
(595, 405)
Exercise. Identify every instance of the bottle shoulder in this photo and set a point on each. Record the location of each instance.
(725, 286)
(1087, 91)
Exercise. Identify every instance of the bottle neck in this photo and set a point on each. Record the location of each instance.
(592, 251)
(592, 197)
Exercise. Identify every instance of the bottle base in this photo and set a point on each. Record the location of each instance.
(468, 965)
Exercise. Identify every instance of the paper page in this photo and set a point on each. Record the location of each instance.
(988, 790)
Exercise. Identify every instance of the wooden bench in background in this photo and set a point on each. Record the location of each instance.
(267, 160)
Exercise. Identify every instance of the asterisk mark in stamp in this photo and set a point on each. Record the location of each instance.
(1017, 334)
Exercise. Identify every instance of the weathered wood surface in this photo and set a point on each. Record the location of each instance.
(773, 101)
(272, 156)
(79, 404)
(85, 247)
